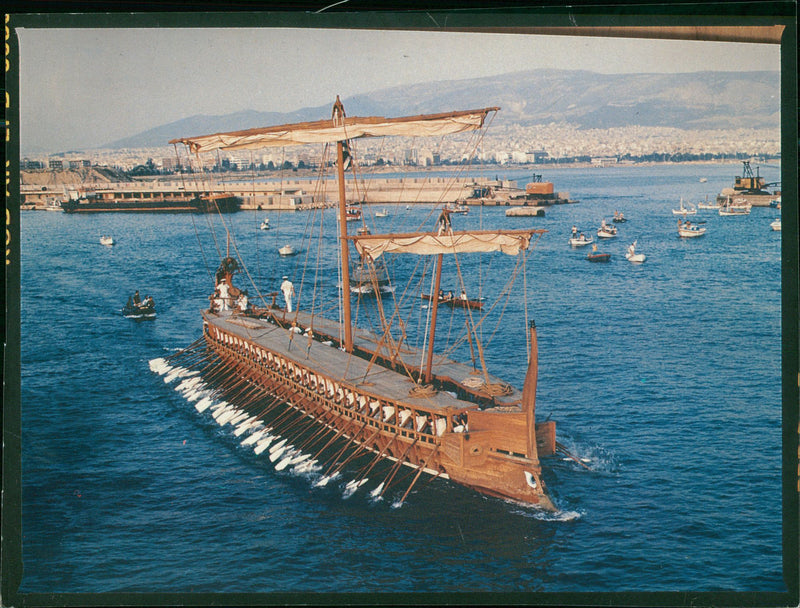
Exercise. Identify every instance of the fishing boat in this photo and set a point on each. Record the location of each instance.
(634, 257)
(580, 240)
(287, 251)
(733, 208)
(452, 301)
(352, 213)
(108, 241)
(606, 231)
(776, 224)
(145, 309)
(689, 230)
(329, 395)
(264, 224)
(684, 209)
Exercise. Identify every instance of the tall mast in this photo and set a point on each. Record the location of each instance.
(338, 117)
(434, 310)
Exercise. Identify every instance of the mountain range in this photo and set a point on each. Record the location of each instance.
(696, 100)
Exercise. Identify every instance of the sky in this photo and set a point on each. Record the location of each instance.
(84, 88)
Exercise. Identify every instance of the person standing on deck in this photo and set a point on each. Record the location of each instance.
(288, 292)
(224, 294)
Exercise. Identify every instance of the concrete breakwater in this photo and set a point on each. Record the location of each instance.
(297, 194)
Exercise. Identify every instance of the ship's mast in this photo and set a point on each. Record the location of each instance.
(338, 117)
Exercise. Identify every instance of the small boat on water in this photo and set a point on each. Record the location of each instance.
(108, 241)
(703, 180)
(632, 256)
(735, 208)
(136, 309)
(685, 209)
(775, 203)
(461, 301)
(382, 213)
(264, 224)
(688, 230)
(580, 240)
(606, 231)
(708, 204)
(597, 256)
(776, 224)
(369, 275)
(619, 217)
(352, 214)
(287, 251)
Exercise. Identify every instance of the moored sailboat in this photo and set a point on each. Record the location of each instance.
(319, 383)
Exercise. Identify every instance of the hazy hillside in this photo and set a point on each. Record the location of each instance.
(697, 100)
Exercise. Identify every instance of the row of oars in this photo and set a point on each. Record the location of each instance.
(284, 411)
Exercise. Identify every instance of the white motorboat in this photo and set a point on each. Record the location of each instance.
(689, 230)
(734, 208)
(108, 241)
(287, 250)
(265, 224)
(606, 231)
(382, 213)
(580, 241)
(685, 209)
(632, 256)
(776, 225)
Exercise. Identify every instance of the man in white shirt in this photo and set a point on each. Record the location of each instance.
(288, 292)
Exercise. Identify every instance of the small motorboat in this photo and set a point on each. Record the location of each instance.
(632, 256)
(683, 209)
(606, 231)
(619, 217)
(776, 225)
(145, 309)
(775, 203)
(108, 241)
(363, 231)
(382, 213)
(287, 250)
(581, 240)
(689, 230)
(708, 205)
(703, 180)
(352, 214)
(264, 224)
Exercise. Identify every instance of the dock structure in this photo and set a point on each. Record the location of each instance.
(295, 194)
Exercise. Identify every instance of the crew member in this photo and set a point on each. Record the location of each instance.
(288, 292)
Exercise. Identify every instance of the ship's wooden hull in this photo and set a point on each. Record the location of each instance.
(482, 449)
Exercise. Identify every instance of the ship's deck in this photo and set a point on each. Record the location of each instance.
(337, 364)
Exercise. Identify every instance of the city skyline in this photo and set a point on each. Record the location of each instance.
(74, 88)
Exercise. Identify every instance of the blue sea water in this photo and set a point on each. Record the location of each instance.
(663, 377)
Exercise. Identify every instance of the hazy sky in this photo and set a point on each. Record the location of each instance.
(84, 88)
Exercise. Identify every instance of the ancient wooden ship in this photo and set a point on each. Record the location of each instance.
(321, 393)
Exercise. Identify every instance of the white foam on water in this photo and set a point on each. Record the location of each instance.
(159, 365)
